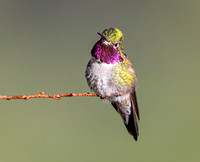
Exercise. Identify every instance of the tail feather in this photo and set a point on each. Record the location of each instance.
(132, 122)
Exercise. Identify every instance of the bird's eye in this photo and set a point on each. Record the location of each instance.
(116, 44)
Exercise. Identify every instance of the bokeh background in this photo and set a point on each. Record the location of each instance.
(45, 46)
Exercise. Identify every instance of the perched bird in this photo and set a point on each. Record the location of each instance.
(110, 73)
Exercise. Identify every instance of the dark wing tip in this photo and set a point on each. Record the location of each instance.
(132, 126)
(133, 122)
(135, 103)
(135, 137)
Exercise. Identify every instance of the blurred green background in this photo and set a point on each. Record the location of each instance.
(45, 46)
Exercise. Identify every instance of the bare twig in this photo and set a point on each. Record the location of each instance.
(57, 97)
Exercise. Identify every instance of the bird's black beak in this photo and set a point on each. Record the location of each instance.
(102, 36)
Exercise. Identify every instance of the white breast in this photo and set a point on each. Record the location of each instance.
(99, 77)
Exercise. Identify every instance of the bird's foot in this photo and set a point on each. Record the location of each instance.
(101, 97)
(118, 94)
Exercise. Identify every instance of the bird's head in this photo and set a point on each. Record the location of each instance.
(108, 49)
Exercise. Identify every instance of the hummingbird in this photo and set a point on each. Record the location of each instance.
(110, 73)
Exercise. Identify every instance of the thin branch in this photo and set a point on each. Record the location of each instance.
(57, 97)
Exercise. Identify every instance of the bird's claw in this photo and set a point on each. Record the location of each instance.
(101, 96)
